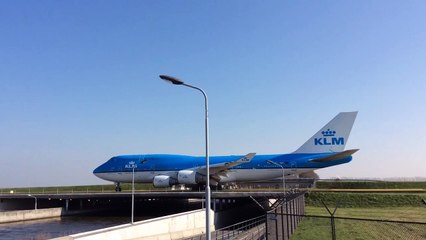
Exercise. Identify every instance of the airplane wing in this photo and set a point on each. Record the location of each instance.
(221, 168)
(335, 157)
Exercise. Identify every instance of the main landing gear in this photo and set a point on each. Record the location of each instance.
(117, 187)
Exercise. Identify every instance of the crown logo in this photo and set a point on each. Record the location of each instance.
(328, 133)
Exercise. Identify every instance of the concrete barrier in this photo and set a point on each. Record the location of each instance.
(24, 215)
(174, 226)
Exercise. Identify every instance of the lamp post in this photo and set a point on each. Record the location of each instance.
(35, 202)
(133, 191)
(132, 165)
(281, 166)
(176, 81)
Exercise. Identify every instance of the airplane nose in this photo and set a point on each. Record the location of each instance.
(96, 170)
(99, 169)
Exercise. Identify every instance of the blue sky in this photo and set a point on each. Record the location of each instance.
(79, 82)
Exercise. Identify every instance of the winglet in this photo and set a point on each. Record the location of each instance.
(221, 167)
(247, 158)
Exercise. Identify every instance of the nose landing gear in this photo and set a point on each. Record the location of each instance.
(117, 187)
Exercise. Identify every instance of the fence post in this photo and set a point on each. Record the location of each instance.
(293, 217)
(287, 220)
(266, 226)
(282, 221)
(295, 212)
(333, 225)
(299, 206)
(276, 224)
(300, 209)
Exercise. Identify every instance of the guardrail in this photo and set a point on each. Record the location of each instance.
(125, 189)
(249, 229)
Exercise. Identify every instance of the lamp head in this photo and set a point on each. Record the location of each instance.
(172, 80)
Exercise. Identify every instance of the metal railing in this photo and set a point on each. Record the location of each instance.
(282, 221)
(249, 229)
(140, 187)
(278, 223)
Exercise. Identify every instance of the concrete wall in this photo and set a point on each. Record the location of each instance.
(26, 203)
(174, 226)
(24, 215)
(17, 204)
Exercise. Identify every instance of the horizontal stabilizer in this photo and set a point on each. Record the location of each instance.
(335, 157)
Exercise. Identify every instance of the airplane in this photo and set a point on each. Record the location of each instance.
(324, 149)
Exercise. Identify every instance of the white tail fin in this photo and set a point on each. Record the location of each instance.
(332, 137)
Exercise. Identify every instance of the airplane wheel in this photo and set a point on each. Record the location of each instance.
(117, 187)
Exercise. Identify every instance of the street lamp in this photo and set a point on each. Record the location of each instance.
(132, 165)
(35, 203)
(176, 81)
(281, 166)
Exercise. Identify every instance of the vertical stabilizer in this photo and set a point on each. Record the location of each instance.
(332, 137)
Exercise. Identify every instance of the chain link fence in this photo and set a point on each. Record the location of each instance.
(288, 221)
(282, 221)
(327, 227)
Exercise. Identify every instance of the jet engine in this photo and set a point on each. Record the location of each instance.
(190, 177)
(164, 181)
(310, 174)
